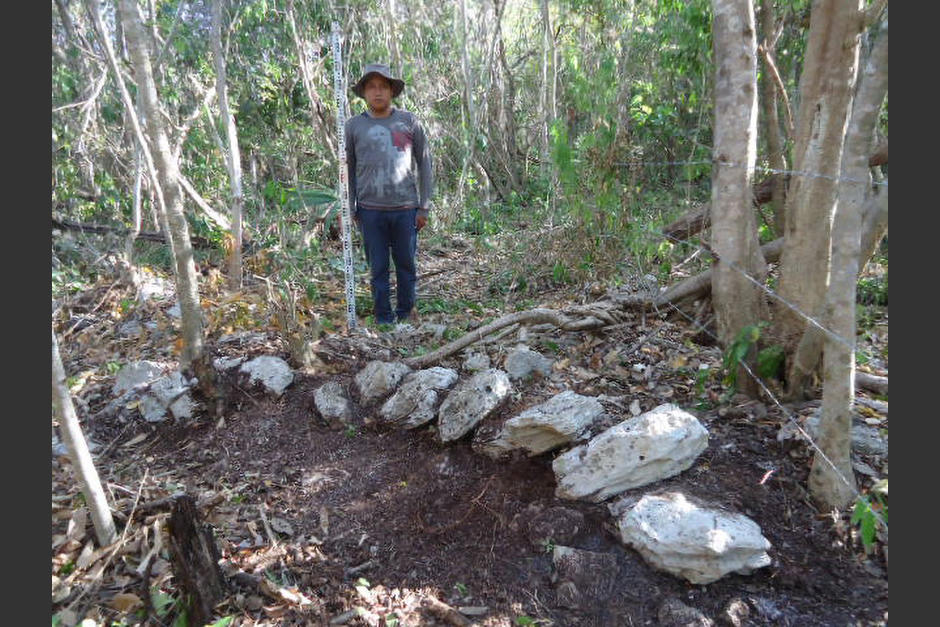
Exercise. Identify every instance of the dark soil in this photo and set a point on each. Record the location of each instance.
(417, 519)
(313, 522)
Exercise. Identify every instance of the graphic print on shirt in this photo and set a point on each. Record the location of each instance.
(386, 160)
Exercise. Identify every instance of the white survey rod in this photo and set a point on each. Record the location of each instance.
(345, 219)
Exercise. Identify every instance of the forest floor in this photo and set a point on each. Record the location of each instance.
(370, 525)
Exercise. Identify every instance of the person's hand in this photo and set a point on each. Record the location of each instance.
(420, 222)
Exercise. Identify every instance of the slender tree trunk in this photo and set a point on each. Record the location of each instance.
(775, 152)
(168, 172)
(544, 97)
(130, 109)
(233, 156)
(827, 85)
(390, 24)
(136, 217)
(74, 439)
(874, 224)
(831, 480)
(737, 301)
(471, 123)
(317, 111)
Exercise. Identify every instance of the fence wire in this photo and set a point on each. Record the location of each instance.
(757, 168)
(790, 416)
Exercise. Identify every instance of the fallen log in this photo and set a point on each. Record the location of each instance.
(613, 310)
(697, 219)
(197, 240)
(872, 383)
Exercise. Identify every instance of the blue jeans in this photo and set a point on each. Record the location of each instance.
(395, 230)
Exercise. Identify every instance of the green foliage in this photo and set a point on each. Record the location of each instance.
(871, 512)
(162, 602)
(872, 290)
(738, 350)
(770, 362)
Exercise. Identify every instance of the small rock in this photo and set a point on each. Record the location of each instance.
(415, 401)
(379, 378)
(272, 372)
(675, 613)
(136, 373)
(227, 363)
(638, 451)
(333, 404)
(559, 525)
(584, 577)
(475, 362)
(735, 614)
(523, 362)
(131, 328)
(564, 418)
(470, 402)
(699, 544)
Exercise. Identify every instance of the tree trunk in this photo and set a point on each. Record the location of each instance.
(831, 479)
(317, 110)
(775, 152)
(471, 123)
(737, 301)
(826, 89)
(131, 110)
(233, 161)
(874, 224)
(390, 24)
(544, 111)
(195, 559)
(168, 172)
(84, 467)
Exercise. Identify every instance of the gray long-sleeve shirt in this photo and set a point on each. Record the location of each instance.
(389, 162)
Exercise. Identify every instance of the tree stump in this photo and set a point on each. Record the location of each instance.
(195, 558)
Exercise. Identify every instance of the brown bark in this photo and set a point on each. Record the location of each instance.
(195, 558)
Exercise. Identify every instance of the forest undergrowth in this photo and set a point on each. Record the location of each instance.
(267, 528)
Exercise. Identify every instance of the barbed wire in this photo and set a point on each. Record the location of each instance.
(770, 293)
(635, 164)
(790, 416)
(760, 382)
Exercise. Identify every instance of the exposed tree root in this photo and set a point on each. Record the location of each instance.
(613, 310)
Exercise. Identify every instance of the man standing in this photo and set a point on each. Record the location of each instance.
(390, 187)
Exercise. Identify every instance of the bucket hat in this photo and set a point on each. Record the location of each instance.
(383, 70)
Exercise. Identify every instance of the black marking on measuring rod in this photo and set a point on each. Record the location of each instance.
(345, 219)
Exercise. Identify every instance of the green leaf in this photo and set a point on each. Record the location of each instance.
(770, 361)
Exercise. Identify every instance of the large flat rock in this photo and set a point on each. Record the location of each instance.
(700, 544)
(638, 451)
